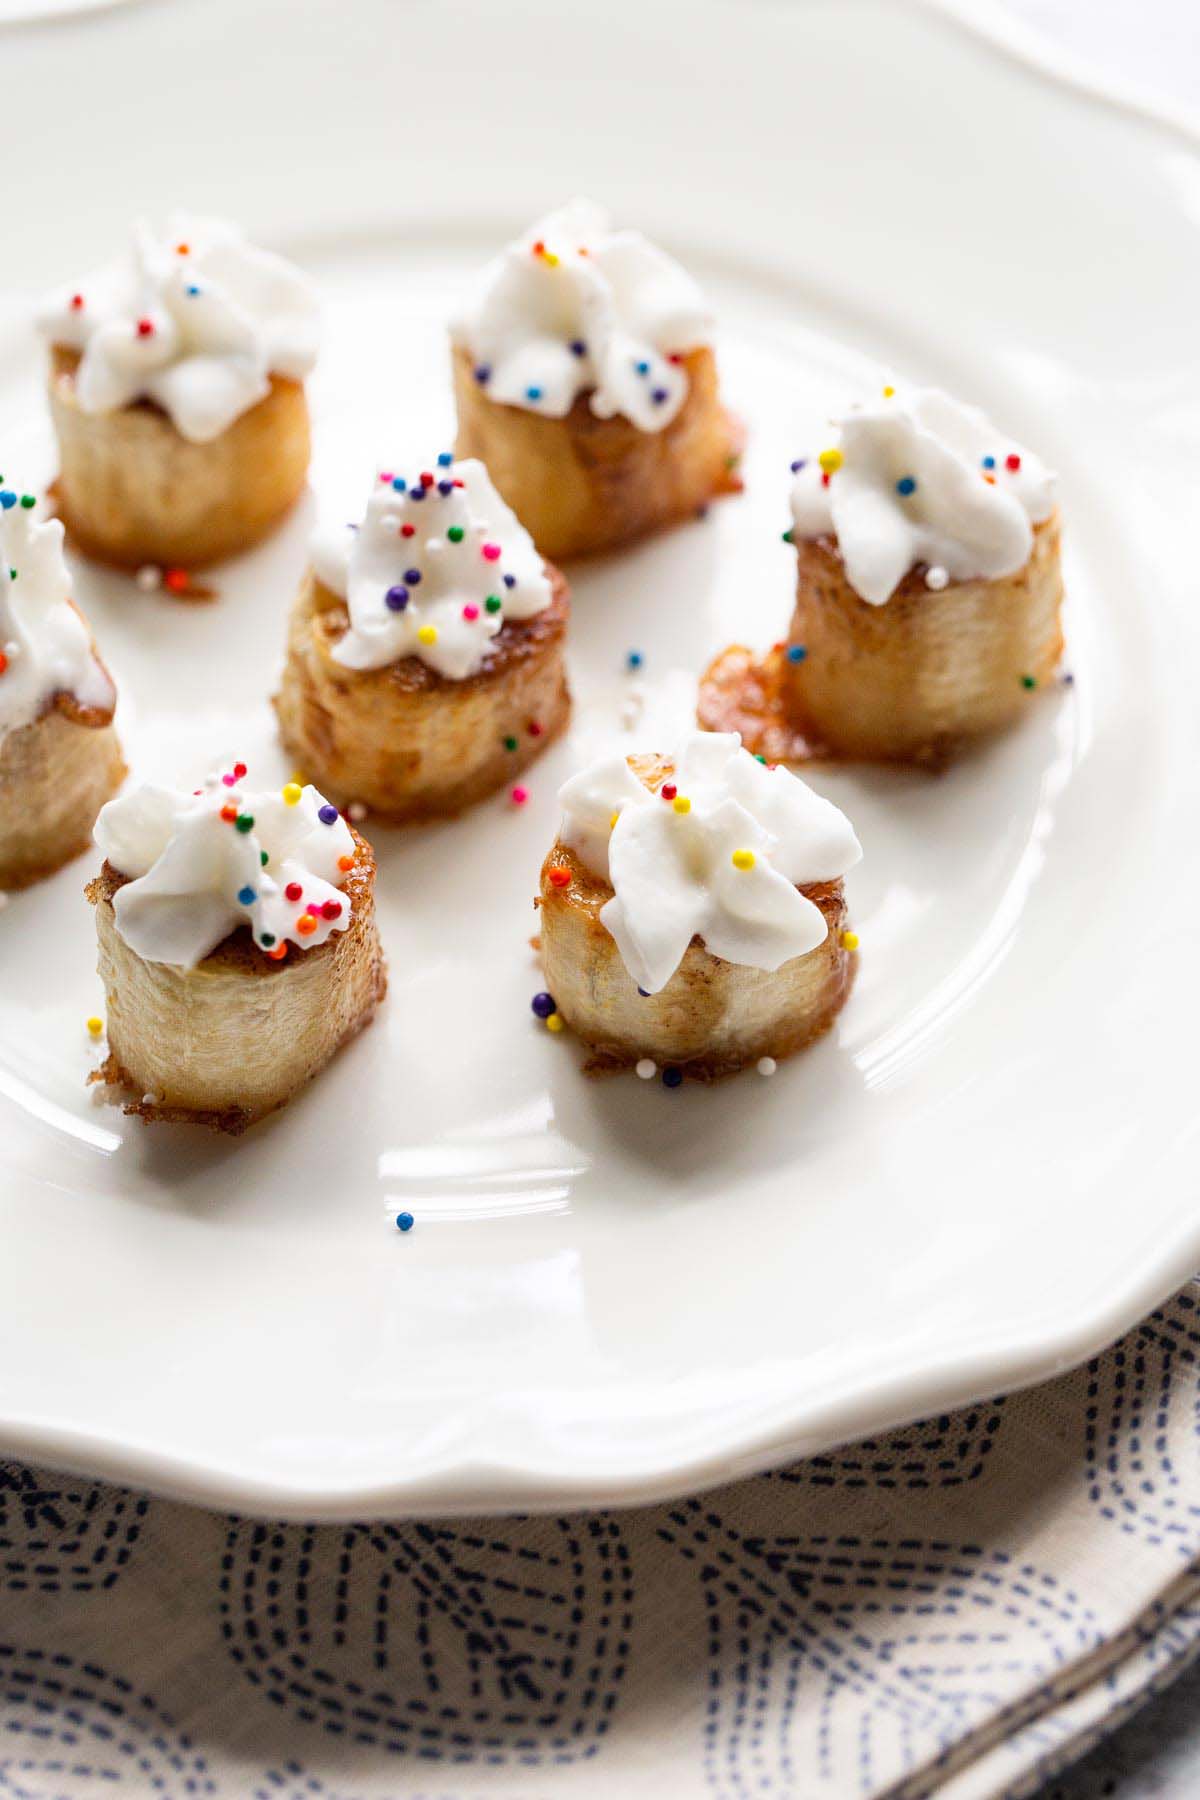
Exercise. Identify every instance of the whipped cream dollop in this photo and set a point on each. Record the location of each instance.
(45, 646)
(575, 307)
(718, 851)
(437, 565)
(203, 864)
(921, 479)
(196, 319)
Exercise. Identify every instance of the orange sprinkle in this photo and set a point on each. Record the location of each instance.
(559, 875)
(306, 925)
(991, 480)
(182, 249)
(3, 662)
(279, 952)
(345, 862)
(539, 249)
(229, 814)
(177, 581)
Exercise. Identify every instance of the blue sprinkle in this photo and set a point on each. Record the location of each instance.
(246, 896)
(405, 1221)
(396, 599)
(510, 581)
(800, 463)
(445, 458)
(796, 653)
(906, 486)
(400, 484)
(658, 395)
(533, 393)
(577, 347)
(7, 499)
(672, 1077)
(328, 815)
(989, 462)
(634, 659)
(192, 289)
(643, 368)
(483, 374)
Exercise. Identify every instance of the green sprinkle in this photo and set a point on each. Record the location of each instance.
(28, 500)
(455, 534)
(760, 758)
(12, 574)
(493, 603)
(1028, 681)
(267, 939)
(510, 743)
(787, 537)
(244, 822)
(263, 858)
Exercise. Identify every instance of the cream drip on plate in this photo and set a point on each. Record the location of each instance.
(45, 645)
(719, 851)
(574, 307)
(921, 479)
(203, 864)
(436, 567)
(196, 319)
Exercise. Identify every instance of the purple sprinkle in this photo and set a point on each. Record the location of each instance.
(644, 992)
(328, 815)
(510, 581)
(445, 487)
(543, 1005)
(577, 347)
(658, 395)
(799, 464)
(483, 374)
(412, 576)
(417, 492)
(396, 599)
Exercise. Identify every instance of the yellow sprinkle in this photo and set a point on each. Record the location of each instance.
(681, 803)
(292, 792)
(888, 392)
(95, 1025)
(551, 259)
(743, 859)
(427, 634)
(830, 461)
(554, 1022)
(849, 940)
(613, 817)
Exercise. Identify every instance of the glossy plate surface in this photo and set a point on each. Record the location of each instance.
(613, 1291)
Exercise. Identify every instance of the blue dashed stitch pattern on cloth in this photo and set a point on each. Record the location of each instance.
(952, 1611)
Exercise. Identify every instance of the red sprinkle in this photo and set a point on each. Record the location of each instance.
(76, 302)
(332, 909)
(177, 581)
(426, 478)
(408, 531)
(3, 662)
(1012, 462)
(825, 478)
(145, 327)
(293, 890)
(558, 876)
(668, 790)
(239, 770)
(534, 728)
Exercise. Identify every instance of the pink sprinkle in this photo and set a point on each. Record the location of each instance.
(492, 552)
(314, 907)
(519, 796)
(386, 475)
(470, 612)
(229, 780)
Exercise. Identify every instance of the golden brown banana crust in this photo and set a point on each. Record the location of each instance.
(405, 741)
(580, 484)
(55, 775)
(231, 1040)
(132, 490)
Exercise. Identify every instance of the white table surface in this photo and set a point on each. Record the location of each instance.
(1154, 47)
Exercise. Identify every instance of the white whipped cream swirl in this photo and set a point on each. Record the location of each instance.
(196, 320)
(574, 307)
(205, 863)
(437, 565)
(45, 646)
(719, 853)
(921, 479)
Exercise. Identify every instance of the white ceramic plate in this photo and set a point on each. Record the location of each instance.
(614, 1291)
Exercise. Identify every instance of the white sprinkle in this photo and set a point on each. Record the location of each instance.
(149, 577)
(12, 649)
(647, 1069)
(356, 811)
(151, 1099)
(937, 578)
(433, 545)
(766, 1065)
